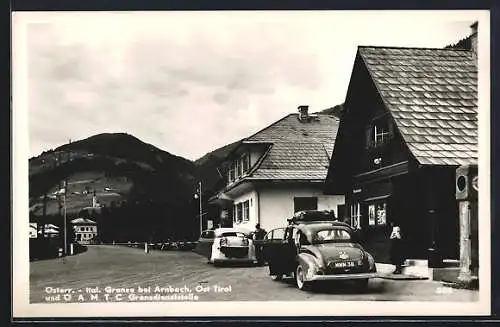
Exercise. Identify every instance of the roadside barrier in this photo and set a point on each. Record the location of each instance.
(158, 246)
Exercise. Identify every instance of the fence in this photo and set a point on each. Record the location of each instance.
(160, 246)
(50, 247)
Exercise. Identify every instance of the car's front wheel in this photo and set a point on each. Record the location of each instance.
(302, 284)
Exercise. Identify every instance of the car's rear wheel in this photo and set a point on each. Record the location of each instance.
(300, 279)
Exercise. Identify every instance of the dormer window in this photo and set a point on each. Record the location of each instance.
(245, 159)
(239, 167)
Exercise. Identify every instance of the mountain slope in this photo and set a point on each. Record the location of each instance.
(335, 110)
(117, 167)
(209, 168)
(142, 192)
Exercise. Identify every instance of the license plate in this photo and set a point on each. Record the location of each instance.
(346, 264)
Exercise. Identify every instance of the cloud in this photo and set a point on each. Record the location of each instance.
(188, 83)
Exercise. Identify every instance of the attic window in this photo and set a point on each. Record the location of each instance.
(239, 167)
(379, 133)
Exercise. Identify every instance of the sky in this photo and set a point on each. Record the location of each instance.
(190, 82)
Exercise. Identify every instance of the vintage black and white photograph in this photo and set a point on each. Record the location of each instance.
(231, 163)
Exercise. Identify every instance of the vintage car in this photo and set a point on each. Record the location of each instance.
(226, 245)
(314, 247)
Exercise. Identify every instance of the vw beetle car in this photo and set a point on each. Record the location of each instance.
(314, 247)
(226, 245)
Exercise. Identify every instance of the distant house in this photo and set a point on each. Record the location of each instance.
(50, 230)
(85, 229)
(278, 171)
(409, 121)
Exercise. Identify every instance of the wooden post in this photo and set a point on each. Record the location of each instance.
(467, 197)
(465, 241)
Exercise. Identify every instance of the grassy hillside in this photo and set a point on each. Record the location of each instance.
(143, 190)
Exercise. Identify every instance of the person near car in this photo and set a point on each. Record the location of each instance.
(396, 248)
(258, 236)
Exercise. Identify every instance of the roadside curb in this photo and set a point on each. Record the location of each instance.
(401, 277)
(472, 285)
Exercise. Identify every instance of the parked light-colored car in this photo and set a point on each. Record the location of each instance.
(226, 245)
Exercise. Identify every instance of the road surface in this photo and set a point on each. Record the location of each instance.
(107, 273)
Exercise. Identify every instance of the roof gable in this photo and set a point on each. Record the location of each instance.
(432, 96)
(300, 150)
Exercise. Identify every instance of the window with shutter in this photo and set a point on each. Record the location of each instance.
(246, 211)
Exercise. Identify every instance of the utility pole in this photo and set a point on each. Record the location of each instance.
(44, 215)
(58, 194)
(197, 195)
(65, 211)
(201, 208)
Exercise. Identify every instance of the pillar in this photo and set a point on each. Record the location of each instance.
(467, 197)
(464, 212)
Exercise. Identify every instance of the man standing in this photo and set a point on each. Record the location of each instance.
(396, 248)
(258, 237)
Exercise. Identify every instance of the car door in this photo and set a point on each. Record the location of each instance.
(204, 246)
(290, 250)
(271, 244)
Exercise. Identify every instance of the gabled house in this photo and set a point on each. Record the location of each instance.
(409, 120)
(85, 230)
(278, 171)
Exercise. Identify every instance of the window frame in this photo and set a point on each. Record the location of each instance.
(246, 210)
(245, 163)
(384, 134)
(303, 198)
(355, 215)
(239, 212)
(271, 233)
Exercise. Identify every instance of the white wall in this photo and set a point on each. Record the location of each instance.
(276, 205)
(253, 208)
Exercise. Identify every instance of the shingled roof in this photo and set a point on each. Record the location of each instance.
(432, 95)
(298, 150)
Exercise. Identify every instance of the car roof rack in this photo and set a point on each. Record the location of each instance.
(324, 216)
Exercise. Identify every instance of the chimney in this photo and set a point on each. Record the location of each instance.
(303, 113)
(473, 37)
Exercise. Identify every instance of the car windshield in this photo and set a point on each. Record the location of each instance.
(331, 235)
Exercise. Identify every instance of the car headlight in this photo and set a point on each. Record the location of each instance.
(223, 241)
(244, 241)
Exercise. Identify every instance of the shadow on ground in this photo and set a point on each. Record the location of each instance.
(339, 287)
(230, 264)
